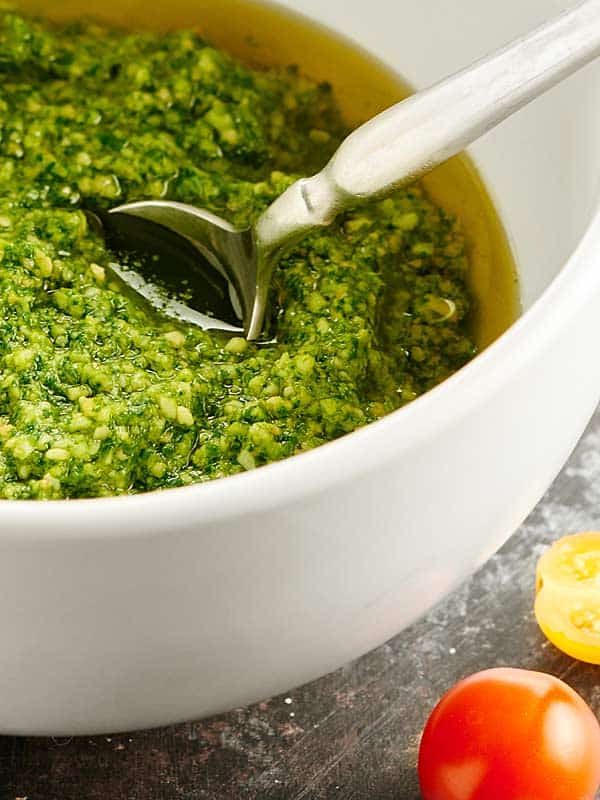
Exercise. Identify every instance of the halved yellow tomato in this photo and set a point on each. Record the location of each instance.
(567, 603)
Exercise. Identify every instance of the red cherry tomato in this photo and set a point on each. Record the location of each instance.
(510, 734)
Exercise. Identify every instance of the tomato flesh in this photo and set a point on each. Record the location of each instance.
(509, 734)
(567, 604)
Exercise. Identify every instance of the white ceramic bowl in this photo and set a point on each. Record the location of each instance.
(141, 611)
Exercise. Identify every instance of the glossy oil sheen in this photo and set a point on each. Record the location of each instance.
(261, 35)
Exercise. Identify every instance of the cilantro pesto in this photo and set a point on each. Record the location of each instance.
(98, 396)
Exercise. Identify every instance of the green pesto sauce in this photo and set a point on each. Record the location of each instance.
(97, 395)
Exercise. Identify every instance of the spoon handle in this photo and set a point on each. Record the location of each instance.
(412, 137)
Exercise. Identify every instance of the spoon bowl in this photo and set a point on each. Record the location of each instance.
(189, 264)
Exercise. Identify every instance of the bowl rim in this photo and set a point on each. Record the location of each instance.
(289, 481)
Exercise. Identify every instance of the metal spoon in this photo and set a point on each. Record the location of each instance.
(391, 150)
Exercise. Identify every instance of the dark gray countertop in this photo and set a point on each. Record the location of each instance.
(353, 734)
